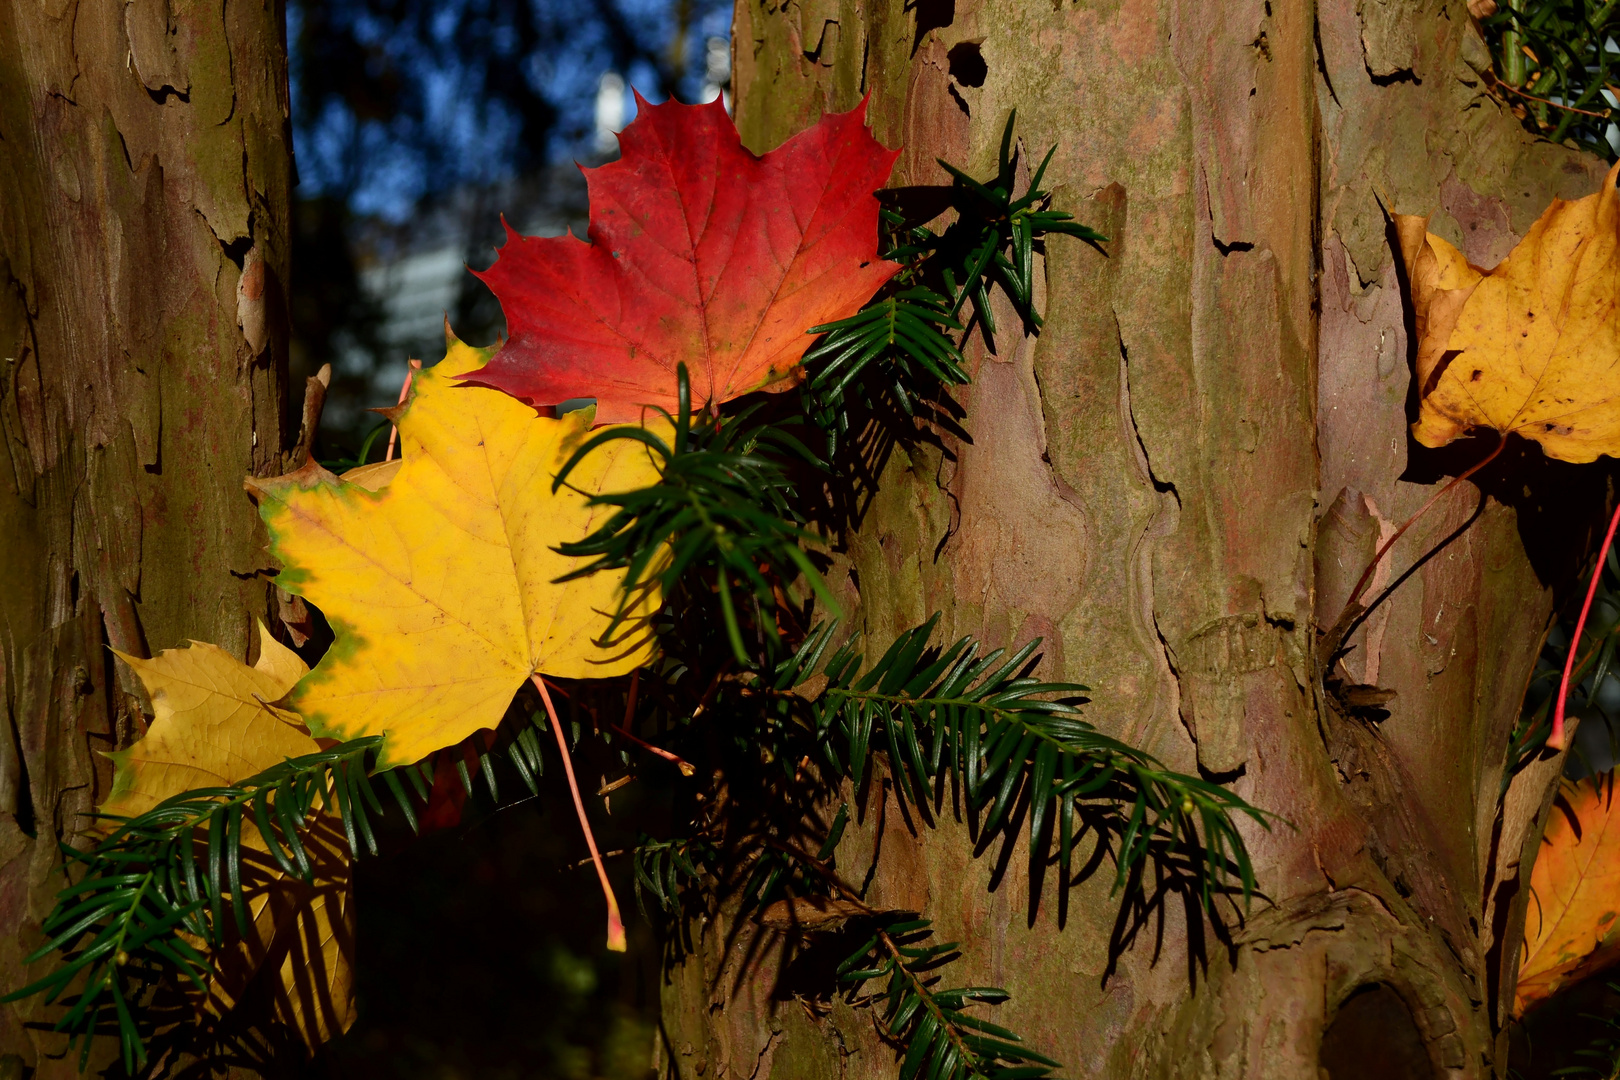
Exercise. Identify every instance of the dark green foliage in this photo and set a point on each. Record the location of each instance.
(905, 332)
(902, 340)
(720, 513)
(1600, 1057)
(937, 1036)
(986, 725)
(1596, 663)
(949, 715)
(166, 878)
(661, 866)
(942, 1040)
(1558, 86)
(1010, 743)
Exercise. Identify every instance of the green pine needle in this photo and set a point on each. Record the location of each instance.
(720, 514)
(937, 712)
(905, 344)
(140, 898)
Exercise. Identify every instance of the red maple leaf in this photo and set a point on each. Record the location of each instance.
(700, 252)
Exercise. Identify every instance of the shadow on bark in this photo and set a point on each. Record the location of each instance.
(1559, 505)
(806, 958)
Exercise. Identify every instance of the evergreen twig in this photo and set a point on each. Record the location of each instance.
(902, 340)
(1601, 1055)
(936, 1036)
(984, 723)
(720, 511)
(151, 899)
(1560, 57)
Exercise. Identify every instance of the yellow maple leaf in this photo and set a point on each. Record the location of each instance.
(1571, 929)
(437, 574)
(1531, 347)
(213, 723)
(213, 726)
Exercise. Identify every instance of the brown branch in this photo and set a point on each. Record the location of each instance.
(314, 401)
(1352, 607)
(1497, 83)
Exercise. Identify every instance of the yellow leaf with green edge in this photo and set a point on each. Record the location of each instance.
(1532, 347)
(438, 577)
(214, 725)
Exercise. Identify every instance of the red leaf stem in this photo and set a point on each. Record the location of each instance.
(686, 767)
(623, 730)
(1556, 739)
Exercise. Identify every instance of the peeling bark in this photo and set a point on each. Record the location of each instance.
(144, 174)
(1174, 485)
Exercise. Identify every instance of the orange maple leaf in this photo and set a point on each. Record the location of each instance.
(1571, 929)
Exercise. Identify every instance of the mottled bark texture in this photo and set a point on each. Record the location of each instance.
(144, 174)
(1175, 485)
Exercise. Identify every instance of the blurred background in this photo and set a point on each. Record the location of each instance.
(417, 124)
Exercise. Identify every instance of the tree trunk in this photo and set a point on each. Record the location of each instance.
(1175, 485)
(144, 174)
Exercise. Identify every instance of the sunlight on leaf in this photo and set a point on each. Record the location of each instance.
(700, 253)
(1531, 347)
(1571, 928)
(214, 726)
(437, 573)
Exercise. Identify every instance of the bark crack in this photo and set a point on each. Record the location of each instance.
(1161, 486)
(1321, 59)
(1060, 486)
(767, 1053)
(1160, 523)
(230, 70)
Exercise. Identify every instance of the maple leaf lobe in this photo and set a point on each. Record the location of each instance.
(700, 252)
(436, 571)
(213, 725)
(1531, 346)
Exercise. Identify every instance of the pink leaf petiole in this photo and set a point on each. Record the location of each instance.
(1557, 738)
(615, 940)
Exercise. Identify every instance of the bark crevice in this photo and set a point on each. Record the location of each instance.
(1199, 386)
